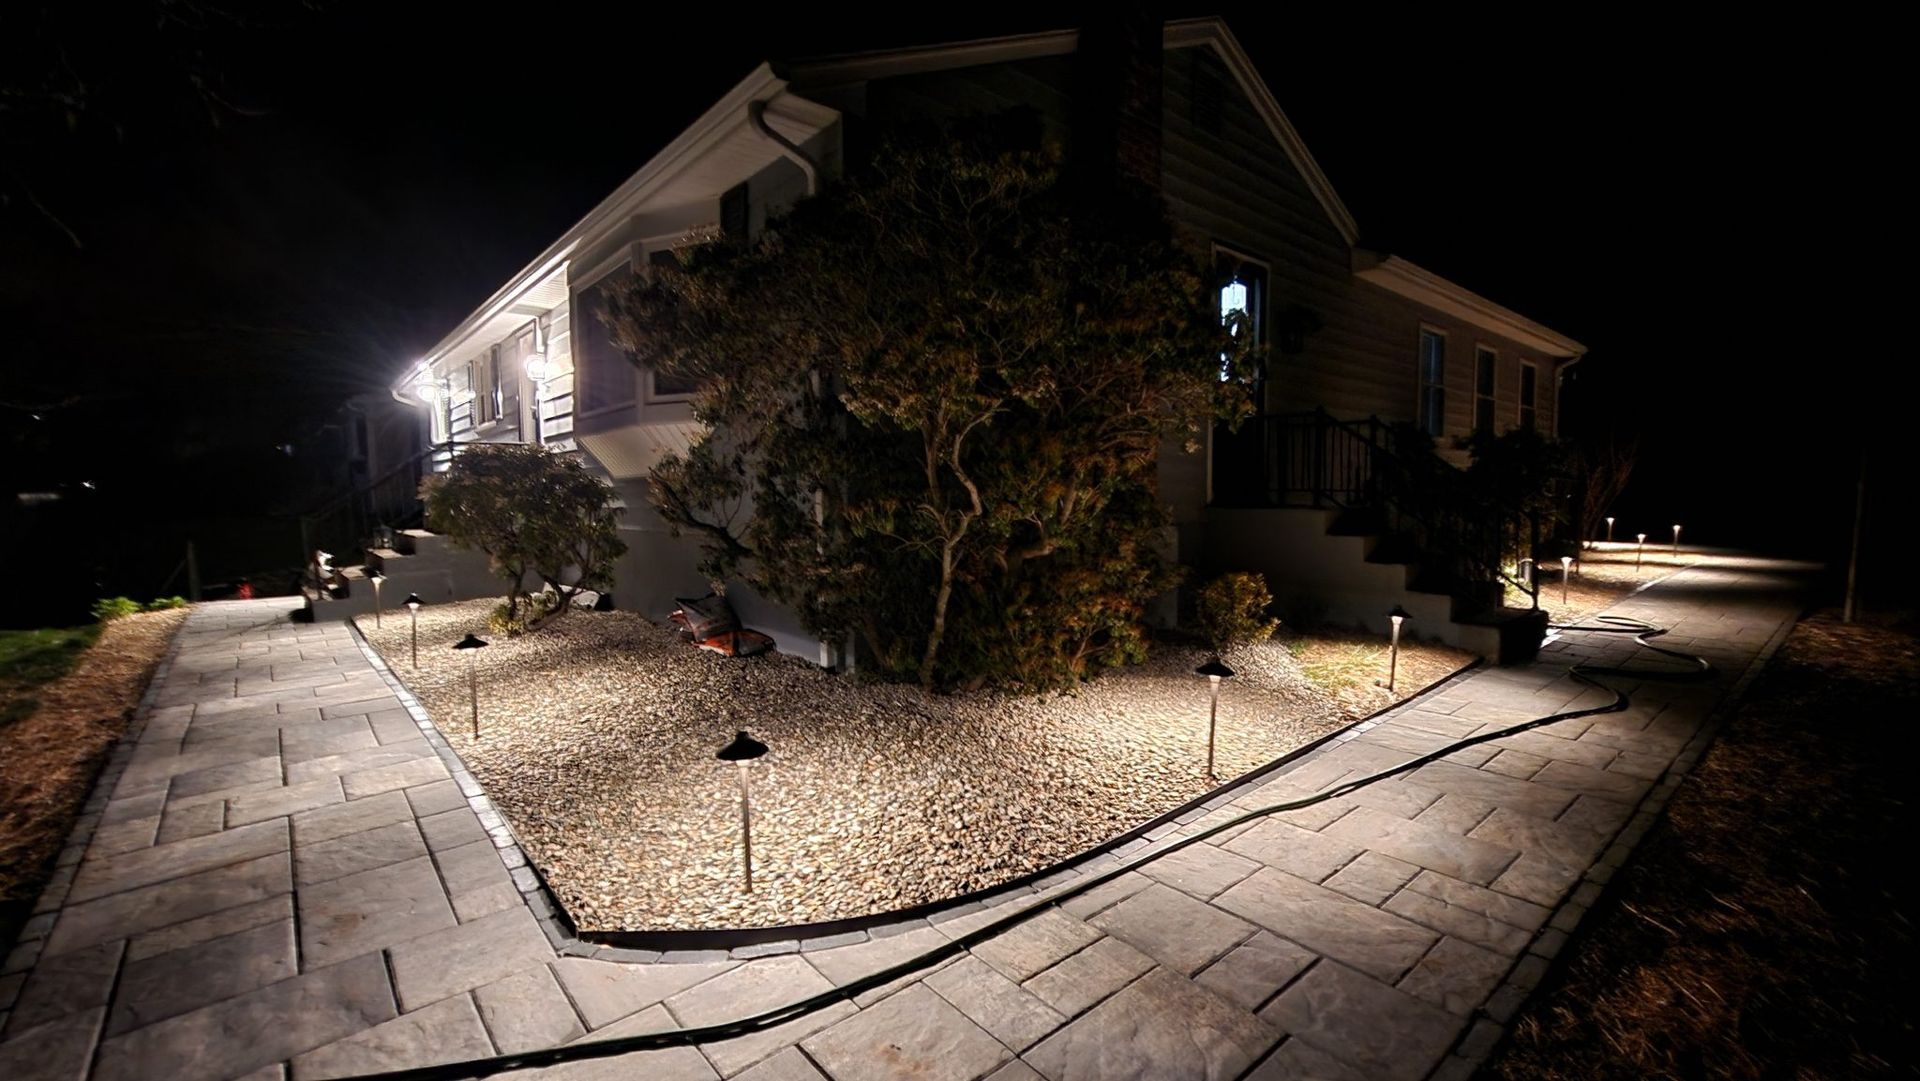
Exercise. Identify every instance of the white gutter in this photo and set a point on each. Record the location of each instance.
(757, 116)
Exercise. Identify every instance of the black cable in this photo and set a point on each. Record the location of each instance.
(654, 1041)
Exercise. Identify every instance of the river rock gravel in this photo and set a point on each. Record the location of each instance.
(598, 733)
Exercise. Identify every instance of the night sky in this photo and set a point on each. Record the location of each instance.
(355, 178)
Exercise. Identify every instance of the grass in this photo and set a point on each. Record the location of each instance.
(31, 659)
(69, 694)
(1352, 666)
(1764, 928)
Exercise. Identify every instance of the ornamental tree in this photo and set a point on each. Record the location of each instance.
(531, 511)
(935, 396)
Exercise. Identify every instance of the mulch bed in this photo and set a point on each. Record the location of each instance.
(49, 758)
(1764, 928)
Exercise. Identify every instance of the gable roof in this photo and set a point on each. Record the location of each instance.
(1422, 286)
(1209, 33)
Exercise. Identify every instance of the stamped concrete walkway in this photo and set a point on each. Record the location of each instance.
(279, 877)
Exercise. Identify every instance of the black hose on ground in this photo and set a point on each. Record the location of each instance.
(654, 1041)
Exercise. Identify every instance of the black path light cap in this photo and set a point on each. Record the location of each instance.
(1215, 667)
(376, 576)
(470, 642)
(413, 600)
(744, 748)
(1399, 613)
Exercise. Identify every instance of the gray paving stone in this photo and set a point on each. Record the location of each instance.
(1013, 1015)
(149, 907)
(1174, 929)
(394, 726)
(1525, 797)
(219, 778)
(131, 870)
(353, 762)
(1105, 895)
(1330, 924)
(451, 829)
(402, 775)
(286, 800)
(369, 911)
(1456, 975)
(912, 1036)
(1457, 921)
(58, 1050)
(225, 921)
(1510, 910)
(1299, 852)
(447, 1031)
(358, 816)
(1015, 1071)
(1256, 970)
(1202, 869)
(1372, 877)
(1159, 1028)
(1537, 879)
(527, 1011)
(1034, 944)
(1085, 978)
(752, 988)
(461, 958)
(356, 852)
(434, 798)
(1298, 1060)
(849, 963)
(157, 987)
(1426, 846)
(668, 1064)
(125, 835)
(1595, 782)
(270, 1025)
(788, 1065)
(196, 817)
(606, 992)
(64, 984)
(1404, 1037)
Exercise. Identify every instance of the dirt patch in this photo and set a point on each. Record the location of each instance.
(49, 757)
(1764, 928)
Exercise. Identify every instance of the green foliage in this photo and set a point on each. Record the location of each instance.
(109, 608)
(530, 511)
(936, 397)
(161, 604)
(1515, 477)
(1232, 609)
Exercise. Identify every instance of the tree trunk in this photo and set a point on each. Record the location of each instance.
(939, 631)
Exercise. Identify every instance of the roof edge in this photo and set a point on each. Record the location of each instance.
(1416, 283)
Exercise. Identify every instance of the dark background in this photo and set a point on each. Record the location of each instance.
(219, 221)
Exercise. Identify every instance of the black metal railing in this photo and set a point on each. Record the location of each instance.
(1315, 459)
(346, 525)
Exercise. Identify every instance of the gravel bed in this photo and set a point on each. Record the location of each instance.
(598, 735)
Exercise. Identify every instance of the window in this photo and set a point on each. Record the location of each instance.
(1433, 382)
(1529, 391)
(509, 369)
(1486, 363)
(605, 374)
(480, 384)
(666, 386)
(1243, 304)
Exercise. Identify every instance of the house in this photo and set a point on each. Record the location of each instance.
(1360, 340)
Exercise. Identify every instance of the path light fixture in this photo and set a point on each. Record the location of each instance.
(413, 603)
(471, 643)
(1566, 569)
(1676, 541)
(1215, 670)
(1609, 530)
(376, 578)
(1526, 571)
(741, 751)
(1639, 553)
(1397, 617)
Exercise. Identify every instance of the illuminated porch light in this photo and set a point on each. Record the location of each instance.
(1215, 670)
(427, 390)
(538, 368)
(742, 750)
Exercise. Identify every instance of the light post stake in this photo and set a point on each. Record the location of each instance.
(376, 578)
(741, 751)
(1676, 542)
(1396, 617)
(1639, 553)
(471, 643)
(413, 603)
(1215, 670)
(1566, 570)
(1609, 530)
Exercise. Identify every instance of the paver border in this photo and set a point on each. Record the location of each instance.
(743, 943)
(1490, 1025)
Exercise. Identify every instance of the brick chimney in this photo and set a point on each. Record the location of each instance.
(1117, 95)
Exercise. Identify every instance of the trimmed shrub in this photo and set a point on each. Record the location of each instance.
(110, 608)
(1231, 611)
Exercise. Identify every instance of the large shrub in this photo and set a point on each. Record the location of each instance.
(1232, 609)
(935, 398)
(531, 511)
